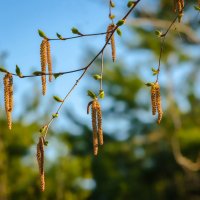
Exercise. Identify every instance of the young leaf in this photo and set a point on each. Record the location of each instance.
(41, 33)
(120, 22)
(119, 32)
(56, 98)
(59, 36)
(43, 129)
(46, 143)
(91, 94)
(3, 70)
(97, 77)
(18, 71)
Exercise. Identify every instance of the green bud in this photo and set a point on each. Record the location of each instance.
(43, 129)
(55, 115)
(3, 70)
(56, 98)
(111, 16)
(42, 34)
(120, 22)
(91, 94)
(46, 143)
(119, 32)
(101, 94)
(57, 75)
(158, 33)
(130, 4)
(97, 77)
(18, 71)
(75, 31)
(112, 4)
(59, 36)
(148, 84)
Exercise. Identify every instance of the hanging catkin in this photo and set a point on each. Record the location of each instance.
(43, 58)
(180, 7)
(49, 61)
(112, 40)
(8, 98)
(94, 127)
(158, 103)
(99, 121)
(40, 159)
(153, 99)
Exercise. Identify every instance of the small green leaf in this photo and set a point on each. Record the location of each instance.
(153, 69)
(158, 33)
(75, 31)
(119, 32)
(18, 71)
(56, 98)
(101, 94)
(59, 36)
(197, 8)
(38, 73)
(42, 34)
(112, 4)
(55, 115)
(91, 94)
(97, 77)
(57, 75)
(120, 22)
(148, 84)
(111, 16)
(130, 4)
(3, 70)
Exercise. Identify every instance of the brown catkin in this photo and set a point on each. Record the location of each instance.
(49, 61)
(153, 99)
(40, 159)
(99, 120)
(8, 98)
(198, 3)
(158, 103)
(43, 58)
(112, 40)
(180, 6)
(94, 126)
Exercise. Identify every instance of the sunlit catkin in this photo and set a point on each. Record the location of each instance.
(49, 61)
(112, 40)
(43, 58)
(94, 126)
(153, 99)
(99, 121)
(8, 98)
(180, 6)
(158, 102)
(40, 159)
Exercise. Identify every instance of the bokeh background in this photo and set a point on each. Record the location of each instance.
(140, 159)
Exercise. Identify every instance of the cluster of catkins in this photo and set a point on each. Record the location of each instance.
(179, 7)
(8, 97)
(156, 101)
(45, 55)
(96, 124)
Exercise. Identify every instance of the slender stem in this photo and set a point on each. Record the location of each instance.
(102, 66)
(78, 36)
(163, 36)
